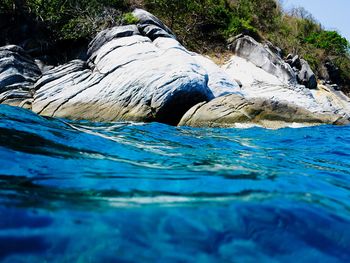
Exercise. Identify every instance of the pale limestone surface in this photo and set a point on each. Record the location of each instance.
(139, 72)
(142, 73)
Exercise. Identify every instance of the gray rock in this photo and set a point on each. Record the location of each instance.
(276, 50)
(108, 35)
(235, 111)
(135, 73)
(306, 76)
(18, 73)
(151, 26)
(296, 63)
(258, 84)
(289, 57)
(330, 73)
(142, 73)
(263, 57)
(335, 87)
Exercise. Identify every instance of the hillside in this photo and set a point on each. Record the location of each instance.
(56, 30)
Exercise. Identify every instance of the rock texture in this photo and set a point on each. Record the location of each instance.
(142, 73)
(260, 82)
(257, 83)
(18, 73)
(236, 111)
(137, 72)
(264, 57)
(270, 95)
(306, 76)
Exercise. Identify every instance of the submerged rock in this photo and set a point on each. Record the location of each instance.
(18, 73)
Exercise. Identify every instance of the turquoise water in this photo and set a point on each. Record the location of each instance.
(123, 192)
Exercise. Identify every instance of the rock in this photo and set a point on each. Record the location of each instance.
(18, 73)
(330, 73)
(235, 111)
(42, 66)
(219, 81)
(258, 84)
(331, 98)
(306, 76)
(263, 57)
(142, 73)
(108, 35)
(276, 50)
(335, 87)
(289, 57)
(151, 26)
(296, 63)
(137, 73)
(296, 70)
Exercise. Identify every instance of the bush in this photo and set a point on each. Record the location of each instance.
(129, 19)
(192, 20)
(331, 41)
(239, 25)
(201, 25)
(67, 19)
(5, 5)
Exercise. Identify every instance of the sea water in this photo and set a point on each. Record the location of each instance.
(134, 192)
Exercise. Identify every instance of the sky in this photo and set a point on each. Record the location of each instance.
(332, 14)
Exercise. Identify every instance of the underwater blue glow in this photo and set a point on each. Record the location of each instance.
(123, 192)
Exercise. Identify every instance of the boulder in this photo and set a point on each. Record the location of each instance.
(142, 73)
(236, 111)
(263, 57)
(137, 73)
(330, 97)
(289, 57)
(306, 76)
(18, 73)
(296, 63)
(330, 73)
(259, 84)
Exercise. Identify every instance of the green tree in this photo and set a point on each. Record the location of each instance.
(331, 41)
(192, 19)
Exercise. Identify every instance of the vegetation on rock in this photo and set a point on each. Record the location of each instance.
(201, 25)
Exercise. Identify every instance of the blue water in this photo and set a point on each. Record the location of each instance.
(123, 192)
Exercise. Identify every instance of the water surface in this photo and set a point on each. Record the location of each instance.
(126, 192)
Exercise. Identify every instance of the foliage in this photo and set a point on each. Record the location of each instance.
(129, 18)
(331, 41)
(239, 25)
(192, 20)
(202, 25)
(5, 5)
(69, 19)
(261, 14)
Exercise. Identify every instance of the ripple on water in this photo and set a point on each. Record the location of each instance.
(168, 194)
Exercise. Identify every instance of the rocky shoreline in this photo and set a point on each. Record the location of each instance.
(142, 73)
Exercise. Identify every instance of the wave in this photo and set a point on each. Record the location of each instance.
(173, 194)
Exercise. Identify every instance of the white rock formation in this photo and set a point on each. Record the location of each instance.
(268, 81)
(139, 73)
(142, 73)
